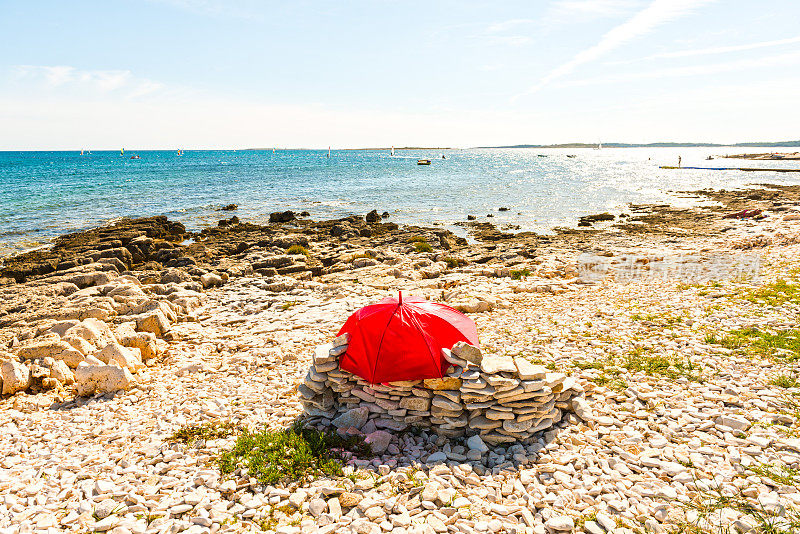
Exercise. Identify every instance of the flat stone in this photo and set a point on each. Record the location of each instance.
(467, 352)
(498, 364)
(417, 404)
(442, 383)
(475, 443)
(561, 523)
(528, 371)
(517, 426)
(322, 354)
(349, 499)
(446, 404)
(733, 421)
(438, 456)
(355, 418)
(378, 441)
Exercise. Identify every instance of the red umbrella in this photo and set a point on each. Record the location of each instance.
(402, 339)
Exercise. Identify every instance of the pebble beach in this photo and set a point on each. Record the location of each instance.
(678, 330)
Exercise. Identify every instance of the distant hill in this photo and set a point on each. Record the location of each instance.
(655, 145)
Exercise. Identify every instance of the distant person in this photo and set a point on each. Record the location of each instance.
(679, 161)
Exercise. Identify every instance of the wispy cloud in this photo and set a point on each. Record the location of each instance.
(505, 25)
(783, 60)
(101, 81)
(582, 10)
(716, 50)
(645, 21)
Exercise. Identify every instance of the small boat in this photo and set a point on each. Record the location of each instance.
(392, 151)
(121, 151)
(423, 162)
(135, 157)
(570, 155)
(542, 155)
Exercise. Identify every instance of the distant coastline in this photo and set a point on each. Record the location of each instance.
(755, 144)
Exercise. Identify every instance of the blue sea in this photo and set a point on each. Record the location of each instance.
(44, 194)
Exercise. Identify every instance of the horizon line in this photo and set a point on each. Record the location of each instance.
(573, 144)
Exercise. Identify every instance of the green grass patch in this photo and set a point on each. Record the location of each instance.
(777, 473)
(782, 345)
(417, 239)
(658, 319)
(289, 305)
(452, 263)
(607, 376)
(639, 360)
(295, 453)
(785, 381)
(423, 246)
(775, 294)
(520, 274)
(190, 434)
(297, 250)
(767, 521)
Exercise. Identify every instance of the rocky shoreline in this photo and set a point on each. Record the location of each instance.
(220, 326)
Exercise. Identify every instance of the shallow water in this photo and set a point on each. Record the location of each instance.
(44, 194)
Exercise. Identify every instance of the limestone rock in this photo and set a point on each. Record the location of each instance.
(15, 377)
(122, 356)
(417, 404)
(90, 379)
(211, 280)
(446, 382)
(355, 418)
(155, 322)
(94, 331)
(582, 409)
(561, 523)
(467, 352)
(528, 371)
(42, 347)
(498, 364)
(60, 371)
(379, 441)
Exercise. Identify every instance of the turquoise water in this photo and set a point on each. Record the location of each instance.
(44, 194)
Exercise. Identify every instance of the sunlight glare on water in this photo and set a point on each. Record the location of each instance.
(44, 194)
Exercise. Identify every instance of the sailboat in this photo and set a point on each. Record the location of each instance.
(599, 145)
(329, 151)
(392, 151)
(121, 151)
(81, 152)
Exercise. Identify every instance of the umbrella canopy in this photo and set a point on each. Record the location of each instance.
(402, 339)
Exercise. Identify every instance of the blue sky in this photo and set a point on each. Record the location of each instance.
(243, 73)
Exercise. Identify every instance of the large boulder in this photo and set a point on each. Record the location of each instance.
(144, 341)
(281, 216)
(42, 347)
(61, 372)
(92, 330)
(123, 356)
(91, 379)
(154, 322)
(51, 345)
(14, 376)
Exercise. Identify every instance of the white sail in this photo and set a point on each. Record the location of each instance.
(392, 151)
